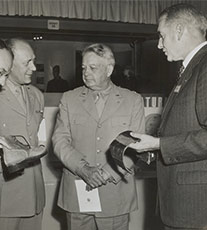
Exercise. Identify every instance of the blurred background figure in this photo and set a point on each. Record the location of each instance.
(57, 85)
(128, 79)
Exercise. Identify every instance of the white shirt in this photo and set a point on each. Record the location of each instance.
(192, 54)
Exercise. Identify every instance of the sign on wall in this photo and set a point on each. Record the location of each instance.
(153, 105)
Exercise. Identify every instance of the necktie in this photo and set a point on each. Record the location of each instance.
(99, 102)
(20, 97)
(180, 71)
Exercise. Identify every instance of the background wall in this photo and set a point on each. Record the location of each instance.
(63, 53)
(151, 71)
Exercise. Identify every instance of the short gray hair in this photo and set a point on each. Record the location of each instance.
(186, 14)
(102, 51)
(13, 43)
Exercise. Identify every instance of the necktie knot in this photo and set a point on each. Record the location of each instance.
(98, 95)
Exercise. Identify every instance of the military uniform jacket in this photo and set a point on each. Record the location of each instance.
(23, 195)
(80, 134)
(182, 167)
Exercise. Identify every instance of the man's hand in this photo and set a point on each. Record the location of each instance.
(146, 143)
(92, 175)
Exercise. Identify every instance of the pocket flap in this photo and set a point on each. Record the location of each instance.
(192, 177)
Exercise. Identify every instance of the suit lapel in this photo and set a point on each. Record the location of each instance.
(187, 74)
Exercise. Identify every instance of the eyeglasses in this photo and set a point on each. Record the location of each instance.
(3, 72)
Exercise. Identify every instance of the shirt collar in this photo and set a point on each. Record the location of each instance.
(192, 54)
(13, 86)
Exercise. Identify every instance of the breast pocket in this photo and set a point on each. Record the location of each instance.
(120, 123)
(79, 126)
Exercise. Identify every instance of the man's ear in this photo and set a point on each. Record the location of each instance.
(179, 31)
(110, 69)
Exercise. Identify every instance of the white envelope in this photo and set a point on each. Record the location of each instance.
(89, 201)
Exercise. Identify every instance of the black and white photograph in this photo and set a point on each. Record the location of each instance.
(103, 115)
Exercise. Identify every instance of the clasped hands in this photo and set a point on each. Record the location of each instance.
(94, 176)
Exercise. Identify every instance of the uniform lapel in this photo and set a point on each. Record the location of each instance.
(88, 103)
(113, 103)
(30, 101)
(7, 97)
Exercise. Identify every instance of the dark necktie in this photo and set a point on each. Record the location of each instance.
(180, 71)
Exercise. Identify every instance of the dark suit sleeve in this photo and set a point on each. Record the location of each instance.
(190, 146)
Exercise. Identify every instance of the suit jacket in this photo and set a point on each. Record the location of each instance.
(80, 134)
(182, 169)
(23, 195)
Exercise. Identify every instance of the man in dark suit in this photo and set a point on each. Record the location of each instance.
(89, 119)
(22, 195)
(182, 135)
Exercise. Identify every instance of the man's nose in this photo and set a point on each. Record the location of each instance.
(160, 43)
(32, 66)
(86, 71)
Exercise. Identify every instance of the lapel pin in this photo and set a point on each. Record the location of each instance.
(177, 89)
